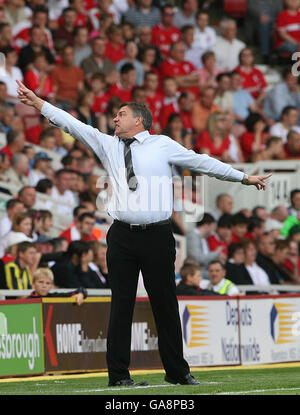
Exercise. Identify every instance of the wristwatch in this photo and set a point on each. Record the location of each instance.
(245, 179)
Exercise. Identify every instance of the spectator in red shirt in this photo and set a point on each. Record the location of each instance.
(101, 97)
(81, 18)
(239, 227)
(253, 79)
(175, 66)
(64, 34)
(73, 233)
(288, 28)
(215, 140)
(67, 79)
(114, 49)
(254, 139)
(256, 228)
(37, 78)
(291, 148)
(15, 143)
(123, 89)
(154, 99)
(165, 33)
(183, 106)
(222, 236)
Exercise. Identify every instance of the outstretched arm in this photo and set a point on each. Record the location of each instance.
(88, 135)
(202, 163)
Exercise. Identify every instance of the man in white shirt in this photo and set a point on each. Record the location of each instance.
(13, 206)
(289, 121)
(204, 35)
(140, 239)
(228, 47)
(62, 193)
(40, 167)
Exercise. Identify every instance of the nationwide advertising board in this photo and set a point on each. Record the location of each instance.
(210, 331)
(21, 338)
(270, 329)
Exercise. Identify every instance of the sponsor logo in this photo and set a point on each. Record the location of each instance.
(281, 323)
(195, 326)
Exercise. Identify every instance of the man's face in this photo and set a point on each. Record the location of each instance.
(131, 50)
(64, 181)
(294, 143)
(262, 213)
(18, 208)
(145, 35)
(167, 16)
(224, 233)
(70, 18)
(6, 33)
(151, 82)
(208, 98)
(68, 56)
(28, 256)
(177, 53)
(250, 253)
(188, 36)
(49, 142)
(188, 102)
(40, 19)
(140, 96)
(239, 256)
(28, 197)
(236, 81)
(125, 122)
(99, 47)
(42, 285)
(82, 36)
(191, 6)
(87, 226)
(296, 201)
(239, 230)
(145, 3)
(292, 117)
(202, 21)
(216, 273)
(230, 32)
(37, 38)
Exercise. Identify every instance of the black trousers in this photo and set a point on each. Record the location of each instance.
(153, 252)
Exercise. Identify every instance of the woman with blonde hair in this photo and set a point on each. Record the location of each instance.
(215, 140)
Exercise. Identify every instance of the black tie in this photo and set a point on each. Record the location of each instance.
(131, 178)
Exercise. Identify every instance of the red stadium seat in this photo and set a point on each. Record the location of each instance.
(235, 8)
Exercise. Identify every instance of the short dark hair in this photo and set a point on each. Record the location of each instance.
(85, 215)
(251, 120)
(76, 210)
(239, 219)
(43, 185)
(206, 220)
(59, 172)
(222, 75)
(11, 136)
(255, 222)
(78, 247)
(11, 203)
(140, 110)
(188, 269)
(23, 246)
(293, 193)
(232, 248)
(224, 221)
(287, 109)
(127, 67)
(217, 262)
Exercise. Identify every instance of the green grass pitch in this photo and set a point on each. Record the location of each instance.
(266, 381)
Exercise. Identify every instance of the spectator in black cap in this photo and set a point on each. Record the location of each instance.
(40, 167)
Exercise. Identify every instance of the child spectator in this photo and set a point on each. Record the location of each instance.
(43, 283)
(190, 281)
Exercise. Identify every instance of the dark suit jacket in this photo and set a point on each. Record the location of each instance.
(185, 290)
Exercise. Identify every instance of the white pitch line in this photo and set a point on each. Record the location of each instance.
(258, 391)
(113, 388)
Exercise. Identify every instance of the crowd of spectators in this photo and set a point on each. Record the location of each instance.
(199, 77)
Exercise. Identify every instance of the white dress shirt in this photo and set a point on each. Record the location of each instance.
(152, 158)
(227, 53)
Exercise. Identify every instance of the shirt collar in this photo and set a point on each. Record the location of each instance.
(140, 137)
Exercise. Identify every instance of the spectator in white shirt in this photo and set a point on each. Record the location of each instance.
(13, 206)
(16, 174)
(289, 121)
(11, 73)
(257, 274)
(62, 193)
(40, 168)
(228, 47)
(204, 36)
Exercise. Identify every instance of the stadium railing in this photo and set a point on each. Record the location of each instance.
(96, 292)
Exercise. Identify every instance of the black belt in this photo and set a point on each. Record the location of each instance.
(136, 227)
